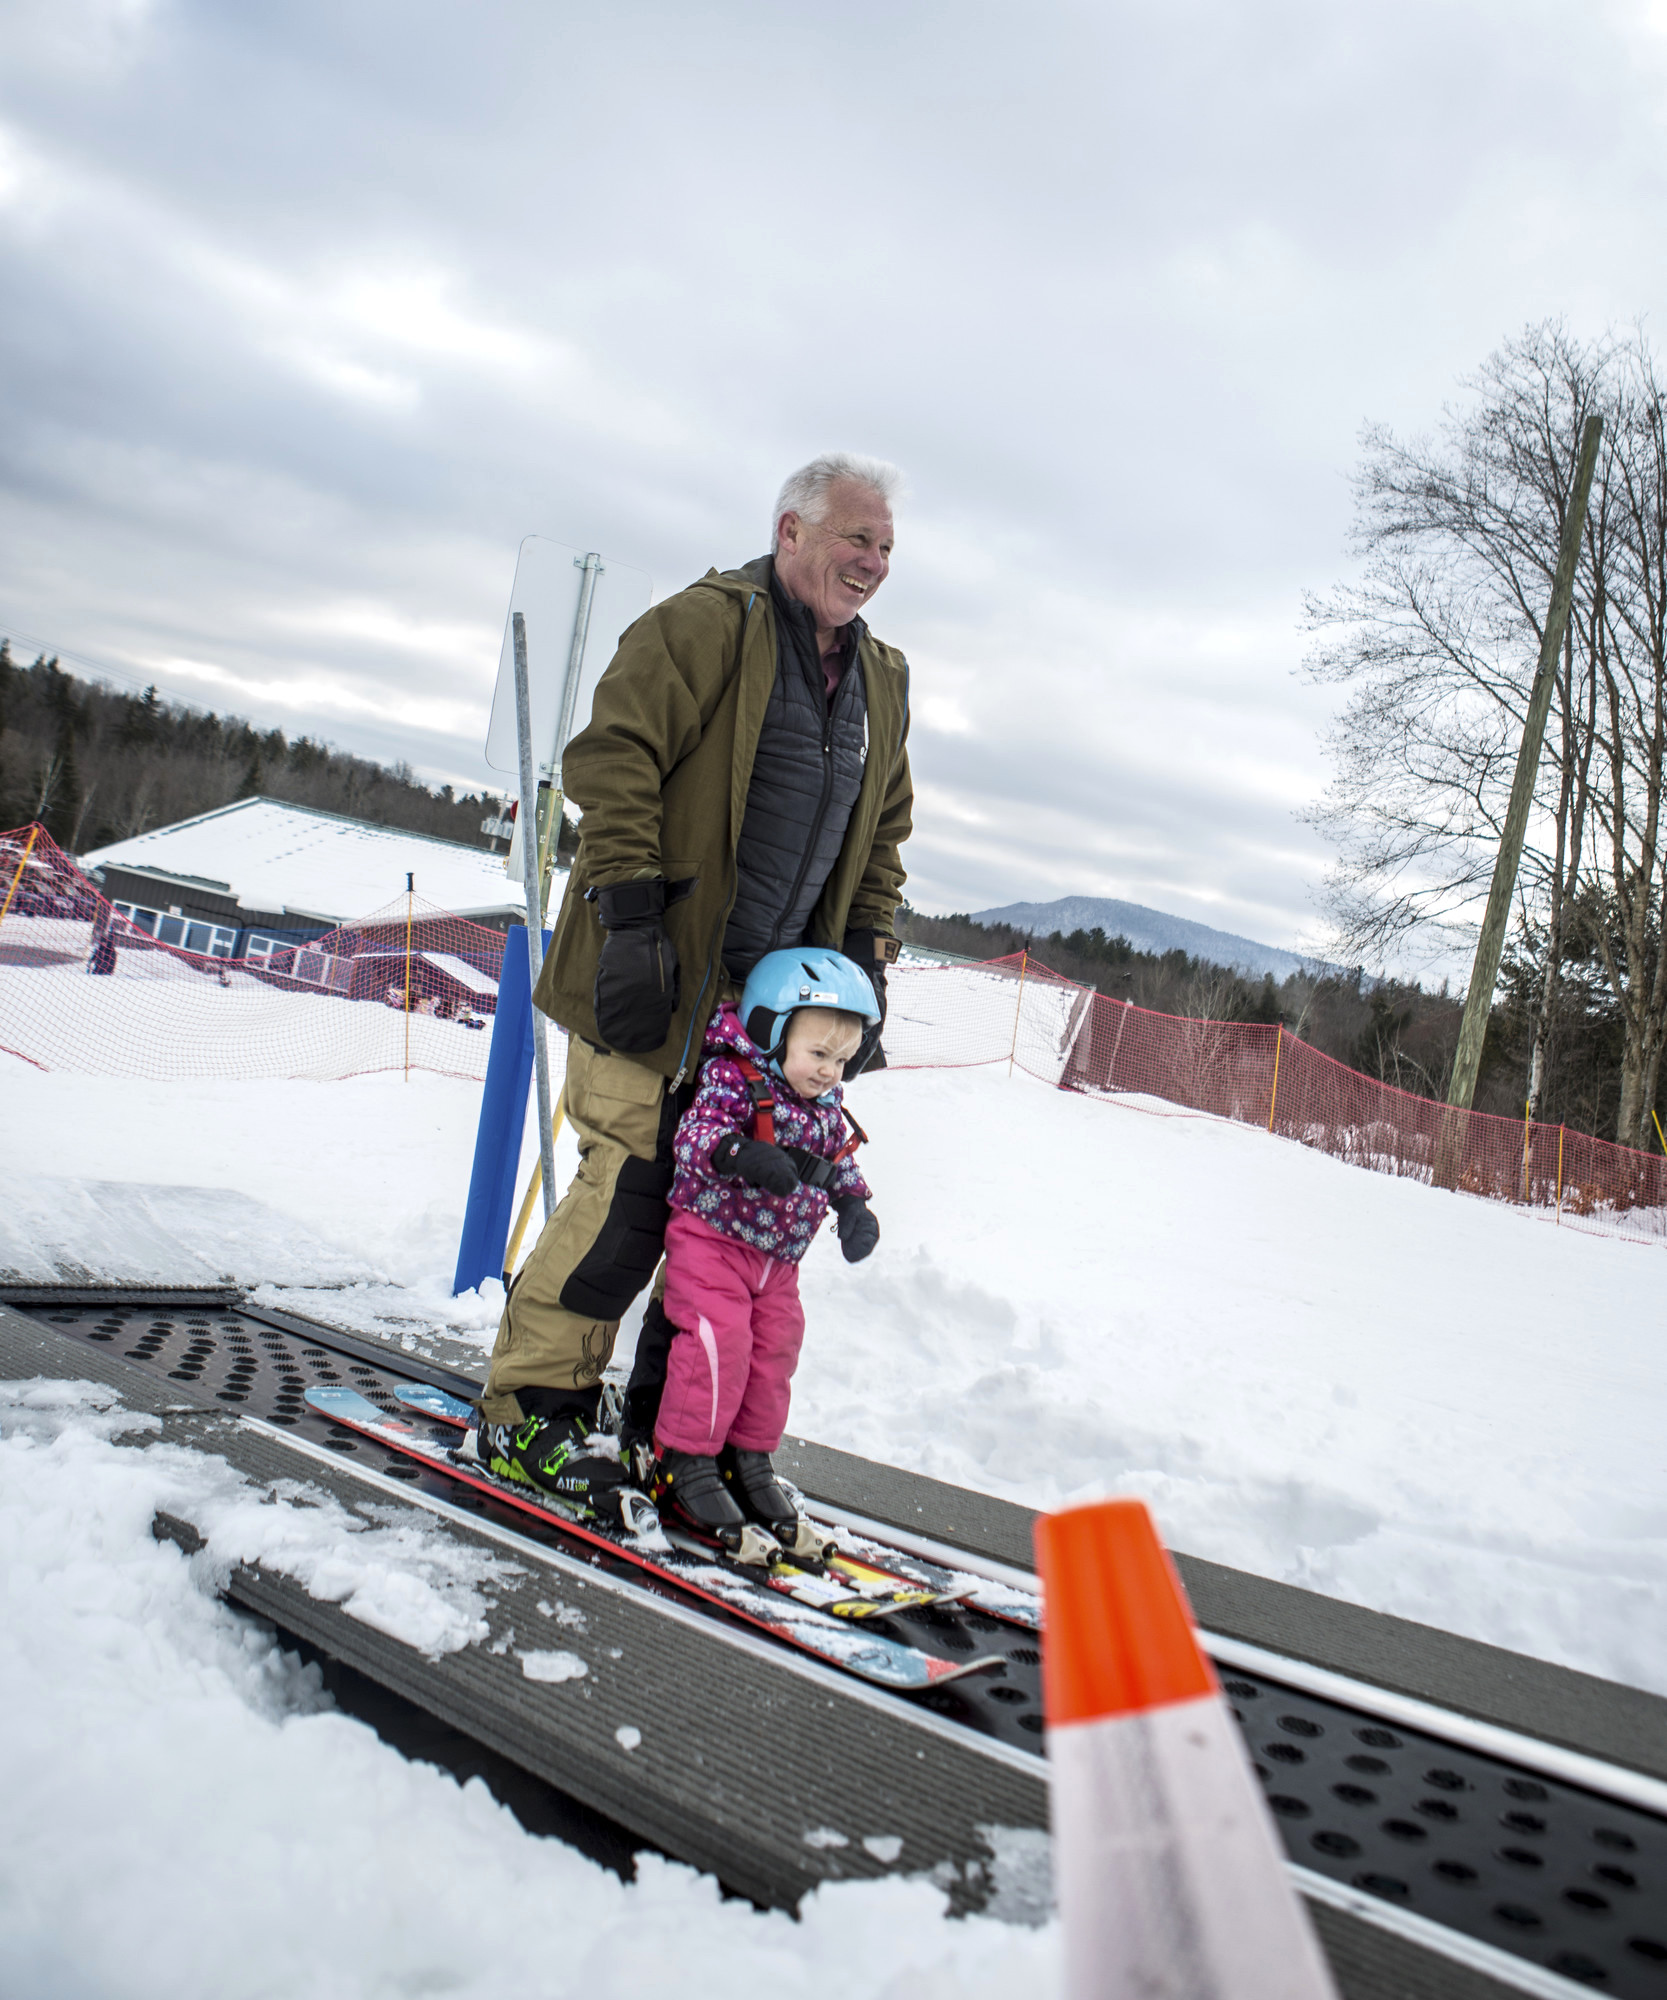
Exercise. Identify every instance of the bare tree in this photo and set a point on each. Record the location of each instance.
(1437, 643)
(1624, 902)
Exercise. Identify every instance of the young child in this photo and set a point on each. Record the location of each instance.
(762, 1154)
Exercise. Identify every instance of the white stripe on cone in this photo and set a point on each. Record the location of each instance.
(1170, 1876)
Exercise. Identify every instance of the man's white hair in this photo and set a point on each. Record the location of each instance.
(805, 492)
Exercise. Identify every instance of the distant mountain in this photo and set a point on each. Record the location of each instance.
(1147, 930)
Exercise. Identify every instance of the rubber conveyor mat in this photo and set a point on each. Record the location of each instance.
(1553, 1873)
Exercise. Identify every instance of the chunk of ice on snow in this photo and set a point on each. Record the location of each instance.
(553, 1667)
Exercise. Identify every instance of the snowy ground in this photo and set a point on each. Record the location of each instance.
(1421, 1402)
(184, 1813)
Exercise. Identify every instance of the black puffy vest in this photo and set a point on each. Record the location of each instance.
(806, 773)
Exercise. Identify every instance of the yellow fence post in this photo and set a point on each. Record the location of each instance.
(34, 835)
(1278, 1044)
(1561, 1129)
(1658, 1131)
(1024, 963)
(410, 892)
(1527, 1106)
(524, 1216)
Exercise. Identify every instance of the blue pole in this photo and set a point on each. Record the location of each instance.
(503, 1117)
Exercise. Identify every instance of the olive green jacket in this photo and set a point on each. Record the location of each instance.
(661, 774)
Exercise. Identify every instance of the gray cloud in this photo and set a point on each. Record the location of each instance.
(312, 313)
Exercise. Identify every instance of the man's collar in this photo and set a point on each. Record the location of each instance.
(801, 614)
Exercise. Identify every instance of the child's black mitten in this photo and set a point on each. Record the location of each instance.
(858, 1231)
(754, 1161)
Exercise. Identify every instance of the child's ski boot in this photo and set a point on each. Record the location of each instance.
(689, 1493)
(562, 1455)
(751, 1480)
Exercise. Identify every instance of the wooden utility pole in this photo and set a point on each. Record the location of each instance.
(1490, 946)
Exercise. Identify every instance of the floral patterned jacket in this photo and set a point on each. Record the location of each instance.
(780, 1225)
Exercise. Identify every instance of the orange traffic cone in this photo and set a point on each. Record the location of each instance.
(1170, 1876)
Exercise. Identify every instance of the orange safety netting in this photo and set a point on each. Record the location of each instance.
(85, 988)
(413, 988)
(1012, 1010)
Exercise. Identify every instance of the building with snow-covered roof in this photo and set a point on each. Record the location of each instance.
(260, 873)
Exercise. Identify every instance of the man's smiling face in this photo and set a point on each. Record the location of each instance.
(835, 565)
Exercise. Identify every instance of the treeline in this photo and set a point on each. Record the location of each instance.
(95, 765)
(1390, 1029)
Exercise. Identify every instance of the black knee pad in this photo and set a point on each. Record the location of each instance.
(628, 1246)
(553, 1404)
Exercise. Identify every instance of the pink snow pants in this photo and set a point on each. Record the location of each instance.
(739, 1328)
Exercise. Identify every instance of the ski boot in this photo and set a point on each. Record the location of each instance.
(556, 1448)
(689, 1493)
(752, 1482)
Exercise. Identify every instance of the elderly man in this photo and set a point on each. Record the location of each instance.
(744, 781)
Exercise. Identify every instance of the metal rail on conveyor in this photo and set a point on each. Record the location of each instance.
(1464, 1821)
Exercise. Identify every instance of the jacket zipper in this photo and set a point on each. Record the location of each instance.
(821, 810)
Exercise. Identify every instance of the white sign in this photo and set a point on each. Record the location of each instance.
(550, 594)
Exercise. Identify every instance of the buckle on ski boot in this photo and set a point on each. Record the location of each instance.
(692, 1497)
(774, 1503)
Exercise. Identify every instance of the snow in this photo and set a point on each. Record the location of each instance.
(276, 858)
(184, 1811)
(52, 1225)
(463, 972)
(1415, 1400)
(553, 1666)
(960, 1016)
(281, 1186)
(170, 1018)
(1422, 1402)
(1418, 1401)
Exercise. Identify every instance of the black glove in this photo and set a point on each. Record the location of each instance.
(755, 1161)
(858, 1231)
(873, 953)
(636, 983)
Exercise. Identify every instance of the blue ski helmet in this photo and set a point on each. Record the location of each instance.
(784, 981)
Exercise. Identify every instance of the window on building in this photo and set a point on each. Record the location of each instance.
(211, 940)
(207, 940)
(319, 968)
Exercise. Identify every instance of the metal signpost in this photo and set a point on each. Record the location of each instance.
(557, 593)
(530, 873)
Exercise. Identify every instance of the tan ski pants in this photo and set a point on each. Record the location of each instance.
(603, 1243)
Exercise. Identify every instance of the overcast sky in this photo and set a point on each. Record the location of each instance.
(311, 312)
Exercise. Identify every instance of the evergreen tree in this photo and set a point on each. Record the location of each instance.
(96, 765)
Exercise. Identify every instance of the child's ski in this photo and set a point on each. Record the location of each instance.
(866, 1562)
(873, 1594)
(781, 1601)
